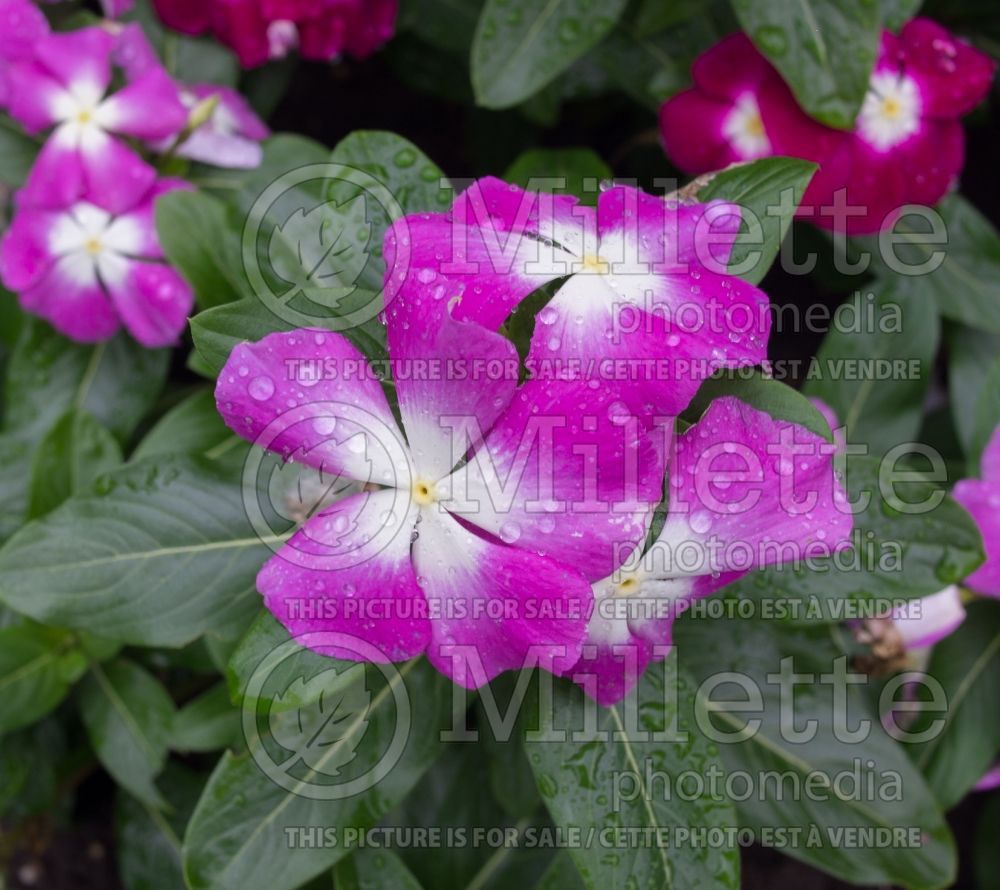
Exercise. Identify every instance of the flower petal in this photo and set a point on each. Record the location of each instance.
(153, 301)
(70, 297)
(953, 76)
(116, 177)
(990, 461)
(36, 100)
(500, 608)
(25, 255)
(924, 621)
(310, 395)
(147, 108)
(80, 60)
(348, 570)
(731, 67)
(982, 500)
(692, 126)
(566, 472)
(186, 16)
(453, 378)
(748, 491)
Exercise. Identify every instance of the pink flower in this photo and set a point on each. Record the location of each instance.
(982, 499)
(746, 491)
(64, 86)
(739, 109)
(412, 564)
(259, 30)
(644, 295)
(88, 271)
(907, 145)
(923, 622)
(231, 136)
(21, 26)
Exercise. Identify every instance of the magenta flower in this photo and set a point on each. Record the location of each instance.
(646, 299)
(259, 30)
(982, 499)
(419, 561)
(22, 24)
(88, 271)
(746, 491)
(64, 87)
(739, 109)
(908, 145)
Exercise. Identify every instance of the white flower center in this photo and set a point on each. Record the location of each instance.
(88, 242)
(890, 113)
(744, 128)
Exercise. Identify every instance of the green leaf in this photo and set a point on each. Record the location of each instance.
(147, 841)
(987, 417)
(369, 869)
(201, 239)
(442, 802)
(967, 665)
(824, 49)
(963, 256)
(128, 714)
(411, 181)
(769, 191)
(117, 381)
(521, 45)
(15, 466)
(242, 828)
(773, 397)
(971, 354)
(38, 665)
(580, 171)
(17, 152)
(579, 779)
(898, 554)
(895, 13)
(218, 330)
(444, 24)
(193, 426)
(876, 378)
(75, 452)
(752, 653)
(208, 723)
(161, 553)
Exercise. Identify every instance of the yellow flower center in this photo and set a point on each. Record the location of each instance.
(93, 246)
(755, 126)
(891, 108)
(593, 263)
(423, 493)
(627, 586)
(84, 116)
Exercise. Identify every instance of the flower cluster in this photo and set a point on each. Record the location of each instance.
(82, 249)
(259, 30)
(502, 524)
(907, 145)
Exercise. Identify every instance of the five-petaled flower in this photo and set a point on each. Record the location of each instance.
(88, 271)
(64, 85)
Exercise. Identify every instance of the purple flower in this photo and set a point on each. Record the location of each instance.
(232, 134)
(981, 497)
(746, 491)
(64, 86)
(21, 26)
(88, 271)
(647, 298)
(413, 563)
(923, 622)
